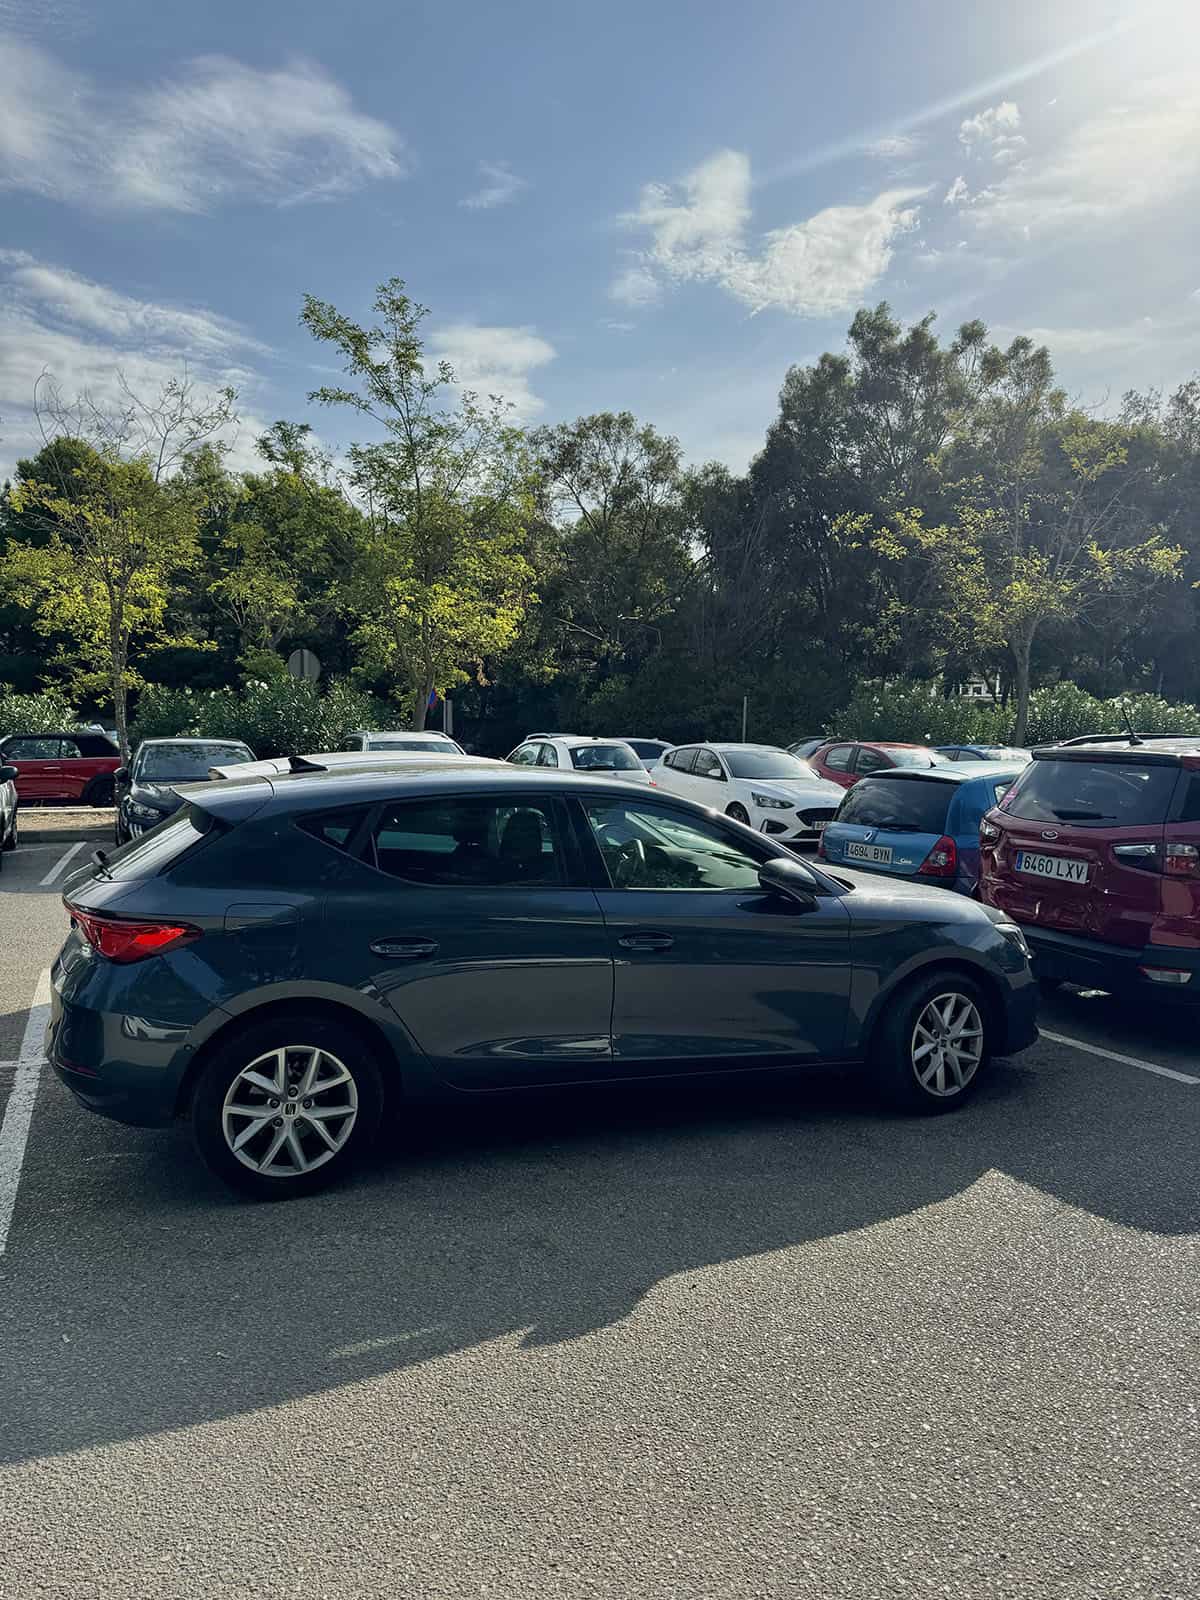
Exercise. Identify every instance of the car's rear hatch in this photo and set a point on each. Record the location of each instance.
(1080, 842)
(892, 822)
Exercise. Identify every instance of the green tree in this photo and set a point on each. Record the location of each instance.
(440, 579)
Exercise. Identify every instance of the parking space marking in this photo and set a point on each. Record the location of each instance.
(1115, 1055)
(14, 1130)
(68, 854)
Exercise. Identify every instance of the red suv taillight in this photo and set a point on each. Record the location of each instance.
(121, 941)
(942, 860)
(1181, 860)
(1175, 860)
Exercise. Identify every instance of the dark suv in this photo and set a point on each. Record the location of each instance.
(285, 955)
(1095, 851)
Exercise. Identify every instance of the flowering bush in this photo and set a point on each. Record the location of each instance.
(35, 713)
(283, 717)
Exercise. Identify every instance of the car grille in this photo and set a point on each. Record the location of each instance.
(816, 814)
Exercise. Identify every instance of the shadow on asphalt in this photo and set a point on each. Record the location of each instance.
(141, 1297)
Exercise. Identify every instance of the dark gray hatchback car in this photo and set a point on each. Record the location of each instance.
(286, 956)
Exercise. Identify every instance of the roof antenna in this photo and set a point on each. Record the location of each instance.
(1125, 718)
(300, 764)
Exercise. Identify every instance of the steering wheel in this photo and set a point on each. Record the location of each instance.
(630, 864)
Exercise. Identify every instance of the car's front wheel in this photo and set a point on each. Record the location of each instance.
(932, 1046)
(738, 813)
(288, 1105)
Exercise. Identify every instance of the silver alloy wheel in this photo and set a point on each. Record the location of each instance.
(289, 1111)
(947, 1044)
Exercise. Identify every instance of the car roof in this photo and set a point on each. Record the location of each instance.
(61, 733)
(196, 738)
(398, 733)
(362, 784)
(960, 772)
(1159, 749)
(340, 760)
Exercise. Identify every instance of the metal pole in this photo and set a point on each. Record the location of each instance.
(745, 707)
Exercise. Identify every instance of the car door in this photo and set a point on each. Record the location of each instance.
(709, 968)
(476, 924)
(38, 764)
(709, 780)
(837, 765)
(867, 761)
(674, 775)
(77, 769)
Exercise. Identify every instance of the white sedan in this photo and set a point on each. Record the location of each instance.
(575, 750)
(758, 784)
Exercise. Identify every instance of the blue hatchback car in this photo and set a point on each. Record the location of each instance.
(919, 823)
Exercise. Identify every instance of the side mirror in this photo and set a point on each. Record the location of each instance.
(9, 774)
(792, 879)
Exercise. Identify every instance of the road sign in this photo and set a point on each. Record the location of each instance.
(303, 664)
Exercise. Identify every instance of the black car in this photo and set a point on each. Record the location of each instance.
(145, 790)
(288, 954)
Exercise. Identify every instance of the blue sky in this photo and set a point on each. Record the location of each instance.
(656, 206)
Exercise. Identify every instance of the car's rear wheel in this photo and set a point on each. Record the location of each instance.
(99, 792)
(738, 813)
(288, 1105)
(932, 1047)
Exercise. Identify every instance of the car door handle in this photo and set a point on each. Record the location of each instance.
(404, 949)
(646, 940)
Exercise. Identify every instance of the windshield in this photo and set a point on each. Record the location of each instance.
(909, 805)
(605, 758)
(915, 756)
(442, 747)
(767, 764)
(1092, 793)
(176, 763)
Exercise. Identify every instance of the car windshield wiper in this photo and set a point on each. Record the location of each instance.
(894, 827)
(1067, 815)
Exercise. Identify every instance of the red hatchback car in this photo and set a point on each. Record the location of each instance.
(63, 766)
(845, 762)
(1095, 853)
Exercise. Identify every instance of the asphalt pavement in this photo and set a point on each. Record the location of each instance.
(740, 1340)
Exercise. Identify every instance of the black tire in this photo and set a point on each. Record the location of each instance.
(891, 1062)
(301, 1033)
(100, 792)
(738, 813)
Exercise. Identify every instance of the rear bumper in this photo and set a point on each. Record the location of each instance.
(1095, 965)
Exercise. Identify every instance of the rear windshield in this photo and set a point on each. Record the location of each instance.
(1098, 794)
(605, 758)
(151, 853)
(441, 747)
(647, 749)
(906, 805)
(767, 764)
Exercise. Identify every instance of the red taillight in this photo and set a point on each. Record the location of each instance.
(121, 941)
(942, 860)
(821, 844)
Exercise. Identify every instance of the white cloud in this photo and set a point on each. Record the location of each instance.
(217, 131)
(957, 193)
(86, 337)
(635, 286)
(1122, 160)
(495, 361)
(811, 268)
(894, 146)
(500, 186)
(993, 132)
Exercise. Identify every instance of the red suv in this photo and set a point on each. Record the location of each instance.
(845, 762)
(1095, 852)
(63, 766)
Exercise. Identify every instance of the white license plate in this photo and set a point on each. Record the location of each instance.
(1052, 867)
(879, 853)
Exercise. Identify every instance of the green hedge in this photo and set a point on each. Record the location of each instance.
(283, 717)
(35, 713)
(1061, 711)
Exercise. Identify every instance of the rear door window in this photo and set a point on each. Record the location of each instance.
(839, 757)
(547, 756)
(334, 828)
(870, 760)
(908, 805)
(1093, 794)
(683, 760)
(470, 843)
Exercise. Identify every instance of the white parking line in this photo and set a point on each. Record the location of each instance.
(1115, 1055)
(14, 1131)
(68, 854)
